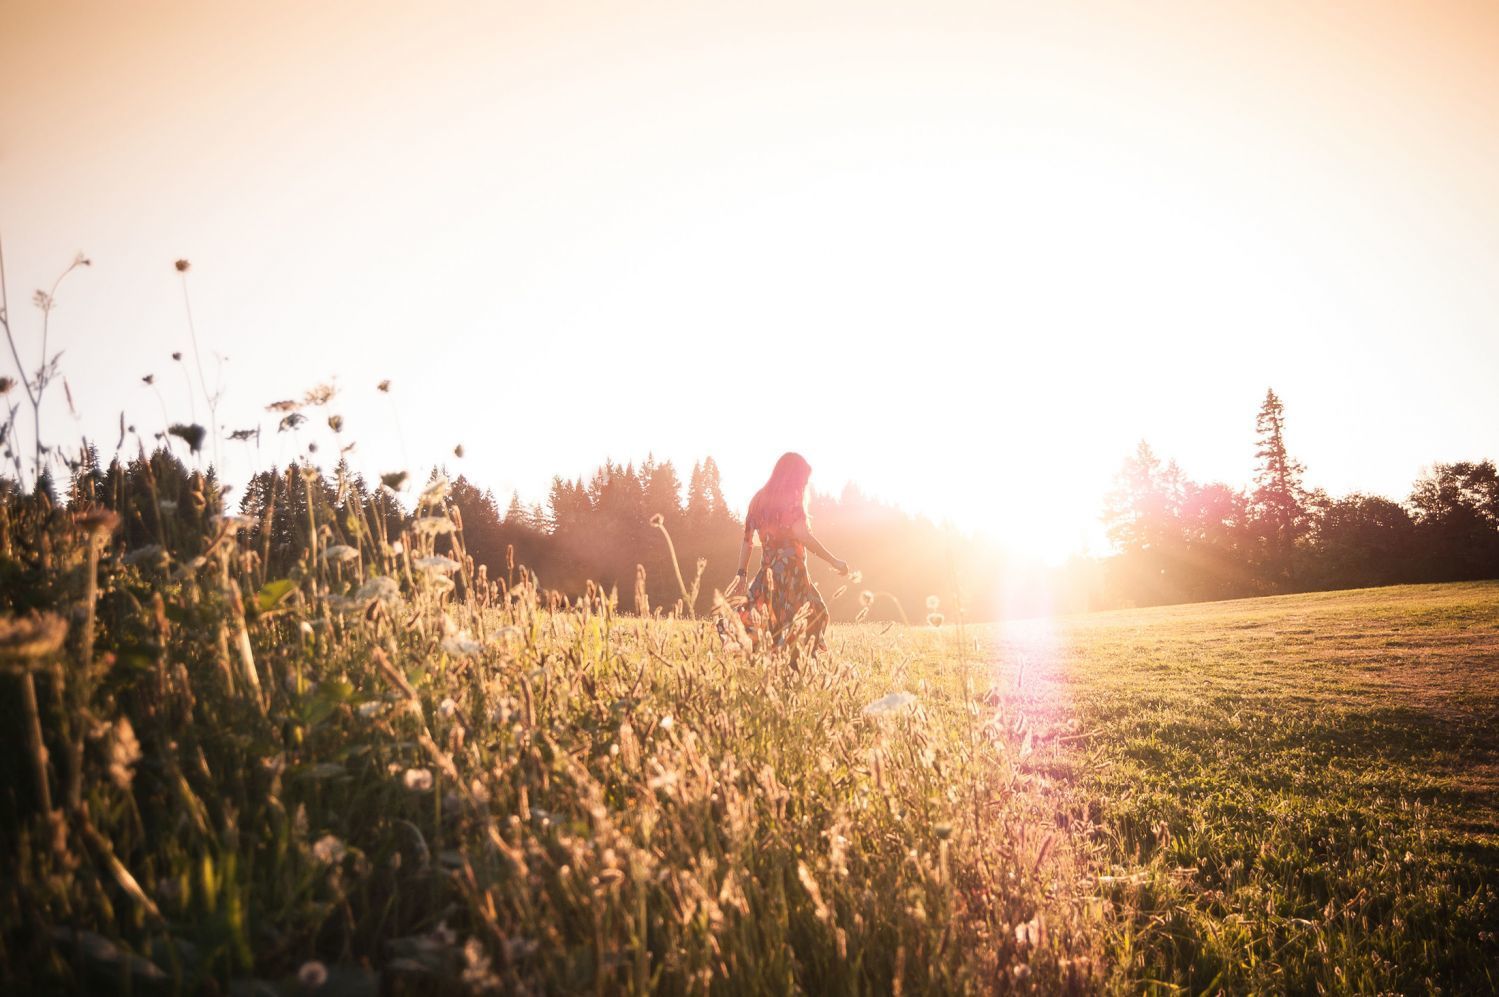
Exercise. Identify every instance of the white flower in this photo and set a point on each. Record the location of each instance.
(461, 645)
(932, 602)
(667, 723)
(340, 553)
(893, 703)
(447, 707)
(305, 628)
(436, 491)
(167, 505)
(329, 850)
(431, 526)
(373, 708)
(124, 752)
(312, 975)
(150, 552)
(382, 587)
(419, 779)
(436, 564)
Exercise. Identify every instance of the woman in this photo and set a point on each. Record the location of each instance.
(782, 599)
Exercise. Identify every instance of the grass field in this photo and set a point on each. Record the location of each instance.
(1290, 793)
(345, 782)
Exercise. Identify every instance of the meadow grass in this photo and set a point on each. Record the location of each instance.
(1295, 794)
(348, 781)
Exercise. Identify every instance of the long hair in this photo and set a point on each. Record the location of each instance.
(783, 499)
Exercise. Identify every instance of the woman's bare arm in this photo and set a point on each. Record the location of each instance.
(804, 533)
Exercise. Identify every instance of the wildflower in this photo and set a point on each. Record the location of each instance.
(658, 521)
(419, 780)
(447, 707)
(429, 526)
(394, 480)
(306, 629)
(329, 850)
(283, 406)
(312, 975)
(339, 553)
(194, 435)
(436, 564)
(177, 355)
(458, 451)
(6, 383)
(149, 379)
(461, 645)
(42, 300)
(245, 434)
(866, 598)
(384, 385)
(893, 703)
(371, 709)
(667, 723)
(932, 602)
(855, 577)
(934, 619)
(182, 266)
(336, 423)
(151, 552)
(436, 491)
(320, 395)
(124, 752)
(382, 587)
(478, 973)
(82, 261)
(310, 474)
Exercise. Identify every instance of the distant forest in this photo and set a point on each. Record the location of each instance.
(1176, 540)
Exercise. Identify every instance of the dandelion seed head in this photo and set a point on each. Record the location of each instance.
(329, 850)
(932, 602)
(182, 266)
(658, 521)
(340, 553)
(394, 480)
(312, 975)
(447, 707)
(384, 385)
(336, 423)
(291, 421)
(866, 598)
(419, 780)
(177, 355)
(935, 619)
(285, 405)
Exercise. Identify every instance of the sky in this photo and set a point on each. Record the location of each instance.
(963, 255)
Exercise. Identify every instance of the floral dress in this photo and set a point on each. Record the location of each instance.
(782, 601)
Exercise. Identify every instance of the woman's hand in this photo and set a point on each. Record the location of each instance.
(841, 567)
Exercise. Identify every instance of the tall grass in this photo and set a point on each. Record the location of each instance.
(351, 774)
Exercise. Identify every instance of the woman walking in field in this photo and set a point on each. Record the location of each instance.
(782, 601)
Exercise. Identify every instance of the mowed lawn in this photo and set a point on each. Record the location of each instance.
(1295, 793)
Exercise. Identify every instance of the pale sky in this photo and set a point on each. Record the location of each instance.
(965, 255)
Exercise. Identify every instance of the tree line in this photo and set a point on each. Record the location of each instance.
(1178, 540)
(656, 543)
